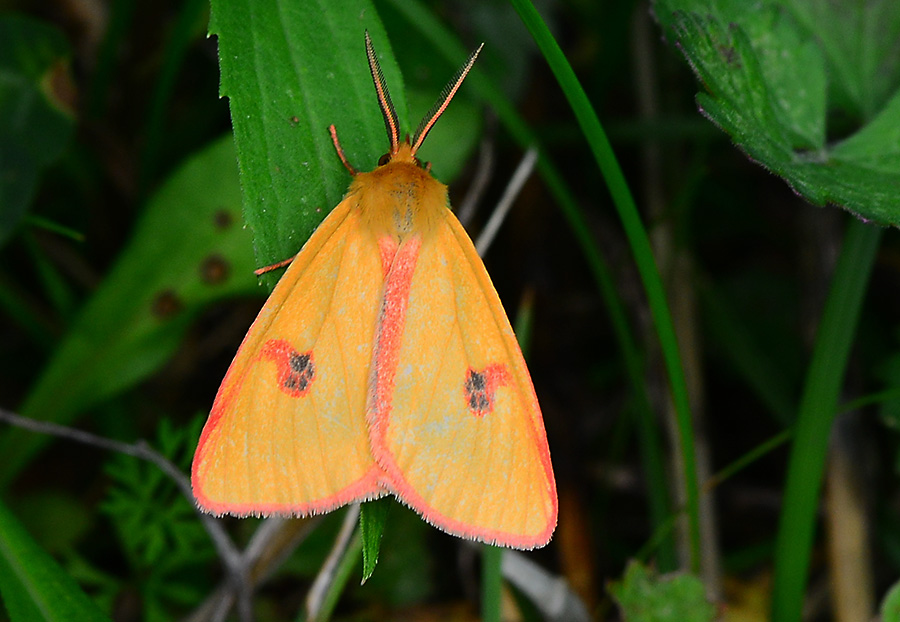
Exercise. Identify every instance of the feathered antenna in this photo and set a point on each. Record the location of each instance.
(441, 104)
(391, 124)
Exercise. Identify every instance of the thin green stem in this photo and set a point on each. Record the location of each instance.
(748, 458)
(491, 582)
(51, 225)
(640, 247)
(888, 395)
(658, 536)
(342, 574)
(817, 410)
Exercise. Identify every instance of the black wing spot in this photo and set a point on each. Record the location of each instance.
(479, 401)
(296, 371)
(480, 388)
(302, 372)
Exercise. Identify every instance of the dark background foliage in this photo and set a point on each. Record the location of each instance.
(126, 276)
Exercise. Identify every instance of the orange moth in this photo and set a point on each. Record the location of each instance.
(383, 363)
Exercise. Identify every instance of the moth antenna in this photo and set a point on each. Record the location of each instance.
(443, 101)
(340, 150)
(391, 124)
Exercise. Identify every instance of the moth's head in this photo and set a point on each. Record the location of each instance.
(404, 153)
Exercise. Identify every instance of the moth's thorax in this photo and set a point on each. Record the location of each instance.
(399, 198)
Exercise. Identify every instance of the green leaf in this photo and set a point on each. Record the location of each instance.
(289, 71)
(33, 586)
(406, 573)
(777, 72)
(372, 519)
(188, 250)
(35, 118)
(890, 606)
(58, 519)
(645, 597)
(859, 43)
(157, 527)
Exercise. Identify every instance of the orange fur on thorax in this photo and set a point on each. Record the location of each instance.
(399, 197)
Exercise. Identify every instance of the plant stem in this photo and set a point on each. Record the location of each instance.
(817, 410)
(491, 582)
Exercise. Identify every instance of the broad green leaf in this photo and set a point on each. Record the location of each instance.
(34, 588)
(35, 117)
(890, 606)
(859, 43)
(643, 596)
(188, 249)
(58, 519)
(776, 73)
(289, 71)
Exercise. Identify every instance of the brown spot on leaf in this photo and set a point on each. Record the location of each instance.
(166, 304)
(60, 88)
(222, 219)
(214, 270)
